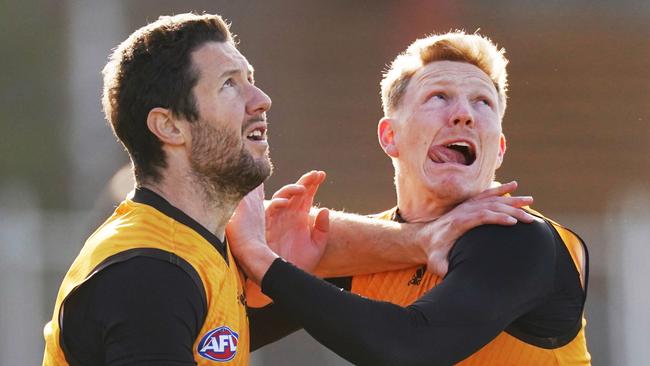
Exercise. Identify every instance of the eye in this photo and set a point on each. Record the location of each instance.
(485, 101)
(229, 83)
(437, 96)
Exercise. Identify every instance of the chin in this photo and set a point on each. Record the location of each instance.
(451, 189)
(265, 169)
(265, 165)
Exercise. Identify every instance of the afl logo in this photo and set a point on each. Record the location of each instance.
(219, 344)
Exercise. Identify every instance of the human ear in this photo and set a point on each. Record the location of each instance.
(502, 150)
(162, 123)
(387, 137)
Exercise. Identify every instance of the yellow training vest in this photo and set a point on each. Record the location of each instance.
(505, 349)
(139, 228)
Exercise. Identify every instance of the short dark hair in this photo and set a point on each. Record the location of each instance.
(153, 68)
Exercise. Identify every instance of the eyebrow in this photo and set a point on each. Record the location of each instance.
(232, 72)
(229, 73)
(445, 80)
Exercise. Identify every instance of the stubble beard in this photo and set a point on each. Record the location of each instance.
(222, 166)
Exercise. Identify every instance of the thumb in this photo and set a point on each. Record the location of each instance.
(437, 265)
(321, 227)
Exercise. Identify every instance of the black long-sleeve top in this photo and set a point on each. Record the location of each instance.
(519, 279)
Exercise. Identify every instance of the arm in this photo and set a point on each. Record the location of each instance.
(139, 311)
(453, 320)
(269, 324)
(359, 245)
(472, 305)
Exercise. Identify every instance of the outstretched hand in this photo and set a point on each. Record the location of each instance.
(492, 206)
(246, 239)
(289, 231)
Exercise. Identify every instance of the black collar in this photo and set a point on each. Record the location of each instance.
(151, 198)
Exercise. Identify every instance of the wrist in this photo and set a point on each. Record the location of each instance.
(256, 262)
(422, 238)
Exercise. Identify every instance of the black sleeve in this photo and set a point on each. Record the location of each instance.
(496, 274)
(140, 311)
(271, 323)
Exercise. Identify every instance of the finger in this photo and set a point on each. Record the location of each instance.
(483, 217)
(289, 191)
(308, 177)
(273, 214)
(303, 197)
(497, 218)
(497, 191)
(315, 179)
(312, 187)
(523, 216)
(276, 204)
(515, 201)
(322, 175)
(498, 214)
(517, 213)
(321, 227)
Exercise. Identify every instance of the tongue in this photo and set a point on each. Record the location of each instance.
(441, 154)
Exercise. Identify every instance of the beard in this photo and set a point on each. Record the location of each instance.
(220, 160)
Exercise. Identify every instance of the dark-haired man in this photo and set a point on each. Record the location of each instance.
(156, 284)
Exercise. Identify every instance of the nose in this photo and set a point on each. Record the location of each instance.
(259, 102)
(462, 115)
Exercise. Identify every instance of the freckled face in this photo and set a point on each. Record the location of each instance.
(447, 131)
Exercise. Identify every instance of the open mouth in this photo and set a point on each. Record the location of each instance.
(458, 152)
(257, 134)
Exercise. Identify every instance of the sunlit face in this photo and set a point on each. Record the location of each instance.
(229, 146)
(445, 137)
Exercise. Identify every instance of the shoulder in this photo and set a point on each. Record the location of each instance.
(131, 310)
(521, 248)
(133, 285)
(536, 236)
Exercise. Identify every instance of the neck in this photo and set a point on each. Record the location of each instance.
(418, 209)
(418, 204)
(197, 199)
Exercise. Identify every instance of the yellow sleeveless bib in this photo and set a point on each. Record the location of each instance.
(139, 229)
(505, 349)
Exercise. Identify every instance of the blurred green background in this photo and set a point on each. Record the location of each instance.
(578, 127)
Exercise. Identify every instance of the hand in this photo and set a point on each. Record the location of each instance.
(288, 229)
(246, 239)
(489, 207)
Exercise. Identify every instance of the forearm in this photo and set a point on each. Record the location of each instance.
(367, 332)
(360, 245)
(269, 324)
(451, 321)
